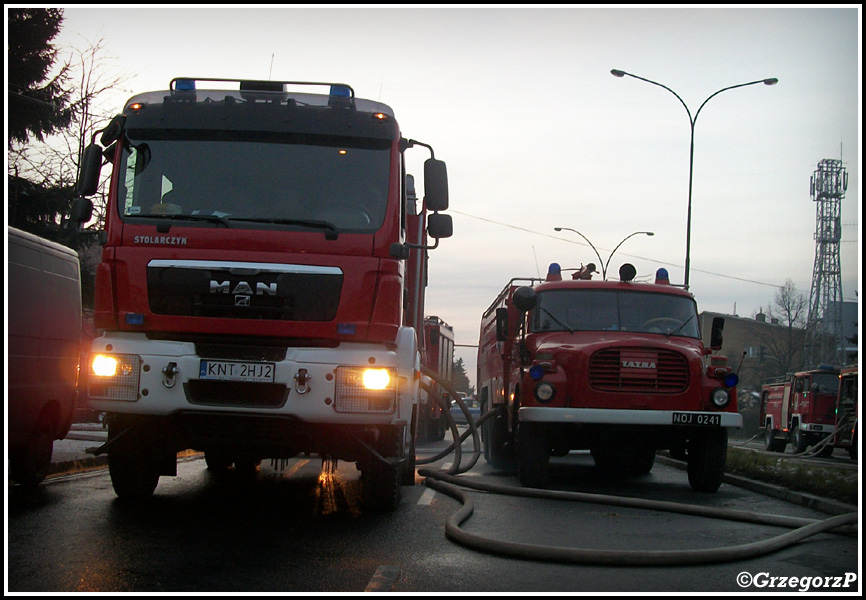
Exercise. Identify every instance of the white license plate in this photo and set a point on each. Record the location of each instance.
(224, 370)
(705, 420)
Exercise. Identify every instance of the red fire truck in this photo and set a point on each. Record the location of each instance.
(438, 356)
(616, 367)
(259, 287)
(847, 407)
(800, 408)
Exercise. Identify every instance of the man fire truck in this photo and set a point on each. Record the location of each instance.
(800, 409)
(257, 288)
(616, 367)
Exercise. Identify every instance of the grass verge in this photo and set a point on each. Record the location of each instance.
(794, 473)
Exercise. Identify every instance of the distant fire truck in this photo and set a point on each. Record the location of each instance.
(799, 408)
(437, 355)
(847, 407)
(616, 367)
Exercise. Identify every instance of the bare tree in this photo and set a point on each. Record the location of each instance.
(782, 342)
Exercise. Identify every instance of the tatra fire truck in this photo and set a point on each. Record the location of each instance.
(262, 272)
(615, 367)
(800, 408)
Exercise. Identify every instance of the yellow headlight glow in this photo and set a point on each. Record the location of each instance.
(104, 366)
(376, 379)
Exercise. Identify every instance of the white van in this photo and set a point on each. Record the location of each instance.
(43, 336)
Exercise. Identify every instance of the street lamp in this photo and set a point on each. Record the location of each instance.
(603, 264)
(692, 120)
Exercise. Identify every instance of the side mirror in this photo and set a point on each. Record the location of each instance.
(716, 333)
(524, 298)
(113, 130)
(88, 176)
(435, 185)
(501, 324)
(82, 210)
(439, 226)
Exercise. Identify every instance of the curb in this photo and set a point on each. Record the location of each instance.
(824, 505)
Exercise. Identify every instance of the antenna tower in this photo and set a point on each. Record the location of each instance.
(824, 344)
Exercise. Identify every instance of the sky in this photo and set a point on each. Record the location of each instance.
(520, 103)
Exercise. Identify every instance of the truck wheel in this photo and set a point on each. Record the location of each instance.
(133, 474)
(494, 434)
(380, 485)
(533, 453)
(799, 439)
(771, 442)
(707, 455)
(30, 465)
(217, 462)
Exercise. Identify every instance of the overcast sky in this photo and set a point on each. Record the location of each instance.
(537, 134)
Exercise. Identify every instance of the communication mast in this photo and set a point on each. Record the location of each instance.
(824, 344)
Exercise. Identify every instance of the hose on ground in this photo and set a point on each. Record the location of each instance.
(447, 483)
(593, 556)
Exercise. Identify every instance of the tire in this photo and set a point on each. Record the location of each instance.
(771, 442)
(497, 451)
(380, 485)
(132, 463)
(533, 454)
(381, 481)
(707, 456)
(799, 440)
(133, 474)
(217, 462)
(30, 465)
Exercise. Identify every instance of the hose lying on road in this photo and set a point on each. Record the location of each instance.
(593, 556)
(447, 483)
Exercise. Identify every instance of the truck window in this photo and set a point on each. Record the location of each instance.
(827, 383)
(607, 310)
(239, 175)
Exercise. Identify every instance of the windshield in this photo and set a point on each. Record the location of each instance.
(606, 310)
(825, 383)
(238, 178)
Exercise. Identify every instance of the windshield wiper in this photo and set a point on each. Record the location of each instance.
(677, 330)
(177, 217)
(547, 312)
(330, 233)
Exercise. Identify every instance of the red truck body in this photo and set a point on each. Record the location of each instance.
(799, 408)
(614, 367)
(262, 274)
(437, 355)
(847, 410)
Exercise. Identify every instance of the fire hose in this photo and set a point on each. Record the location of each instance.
(447, 483)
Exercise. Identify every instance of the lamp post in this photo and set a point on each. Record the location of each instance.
(603, 264)
(692, 120)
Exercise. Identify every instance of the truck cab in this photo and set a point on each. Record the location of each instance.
(616, 367)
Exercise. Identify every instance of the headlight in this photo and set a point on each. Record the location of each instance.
(544, 392)
(720, 397)
(360, 390)
(114, 377)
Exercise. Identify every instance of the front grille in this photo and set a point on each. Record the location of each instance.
(242, 394)
(638, 370)
(240, 352)
(243, 290)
